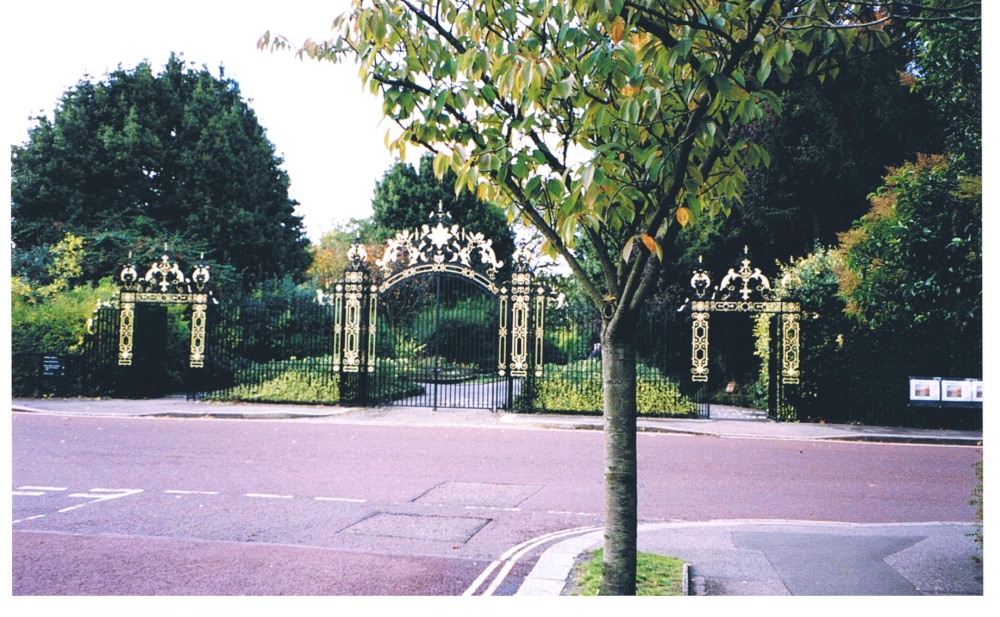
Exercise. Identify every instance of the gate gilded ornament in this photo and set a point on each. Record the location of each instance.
(439, 247)
(741, 291)
(163, 283)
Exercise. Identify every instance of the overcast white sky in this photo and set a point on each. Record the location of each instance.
(329, 132)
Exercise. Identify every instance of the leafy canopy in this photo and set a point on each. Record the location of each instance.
(610, 118)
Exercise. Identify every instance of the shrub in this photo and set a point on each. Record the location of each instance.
(287, 387)
(48, 321)
(307, 381)
(577, 387)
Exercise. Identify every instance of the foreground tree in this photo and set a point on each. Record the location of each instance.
(610, 119)
(139, 159)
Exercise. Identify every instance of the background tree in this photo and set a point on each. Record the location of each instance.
(829, 146)
(913, 264)
(912, 273)
(329, 256)
(405, 197)
(610, 119)
(140, 159)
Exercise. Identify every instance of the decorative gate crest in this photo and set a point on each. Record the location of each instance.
(751, 287)
(441, 246)
(163, 283)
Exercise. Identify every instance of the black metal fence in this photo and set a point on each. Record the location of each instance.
(571, 377)
(436, 347)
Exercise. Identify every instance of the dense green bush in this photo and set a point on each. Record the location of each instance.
(577, 388)
(287, 387)
(306, 380)
(51, 318)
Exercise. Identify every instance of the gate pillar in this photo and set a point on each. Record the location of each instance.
(522, 321)
(354, 327)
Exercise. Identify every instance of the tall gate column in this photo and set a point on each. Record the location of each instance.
(354, 327)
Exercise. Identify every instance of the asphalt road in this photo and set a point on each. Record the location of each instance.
(144, 506)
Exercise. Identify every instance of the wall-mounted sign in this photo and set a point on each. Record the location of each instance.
(956, 391)
(939, 392)
(925, 389)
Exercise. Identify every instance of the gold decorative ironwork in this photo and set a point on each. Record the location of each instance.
(440, 246)
(790, 346)
(520, 313)
(699, 345)
(354, 314)
(126, 321)
(354, 291)
(338, 325)
(750, 285)
(746, 275)
(163, 283)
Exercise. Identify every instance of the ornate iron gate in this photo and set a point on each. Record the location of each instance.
(145, 300)
(390, 337)
(747, 290)
(163, 283)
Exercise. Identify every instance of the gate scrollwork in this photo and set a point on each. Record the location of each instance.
(744, 291)
(440, 247)
(163, 283)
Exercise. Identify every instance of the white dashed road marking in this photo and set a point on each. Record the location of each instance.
(179, 492)
(35, 491)
(347, 499)
(101, 494)
(267, 496)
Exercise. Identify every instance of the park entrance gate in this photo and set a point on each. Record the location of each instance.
(748, 291)
(435, 324)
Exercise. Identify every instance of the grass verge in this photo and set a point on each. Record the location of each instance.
(656, 575)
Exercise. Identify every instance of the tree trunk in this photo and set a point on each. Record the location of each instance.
(618, 372)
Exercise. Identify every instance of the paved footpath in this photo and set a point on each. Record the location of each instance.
(735, 558)
(800, 558)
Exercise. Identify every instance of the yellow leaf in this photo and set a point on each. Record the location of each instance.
(617, 30)
(651, 245)
(627, 250)
(684, 216)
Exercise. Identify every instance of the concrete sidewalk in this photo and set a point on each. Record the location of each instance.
(779, 558)
(728, 558)
(179, 407)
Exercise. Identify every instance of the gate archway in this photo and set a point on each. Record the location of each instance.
(143, 304)
(439, 323)
(748, 291)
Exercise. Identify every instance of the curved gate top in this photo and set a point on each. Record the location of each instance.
(440, 246)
